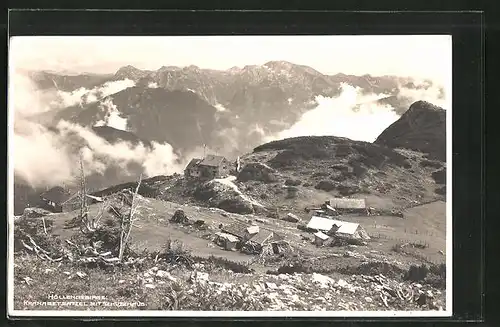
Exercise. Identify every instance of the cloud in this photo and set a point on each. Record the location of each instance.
(39, 157)
(27, 98)
(153, 85)
(83, 96)
(160, 159)
(113, 117)
(49, 157)
(351, 114)
(427, 90)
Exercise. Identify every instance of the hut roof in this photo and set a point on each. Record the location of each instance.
(212, 160)
(193, 162)
(57, 195)
(340, 203)
(266, 235)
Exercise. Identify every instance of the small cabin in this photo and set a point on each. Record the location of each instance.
(210, 167)
(58, 199)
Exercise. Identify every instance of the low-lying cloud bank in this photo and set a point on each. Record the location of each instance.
(112, 116)
(351, 114)
(359, 116)
(47, 157)
(83, 96)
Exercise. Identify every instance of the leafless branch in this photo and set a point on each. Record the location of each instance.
(127, 221)
(44, 227)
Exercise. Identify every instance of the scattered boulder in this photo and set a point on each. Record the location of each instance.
(200, 224)
(291, 218)
(179, 217)
(236, 205)
(225, 197)
(325, 186)
(348, 189)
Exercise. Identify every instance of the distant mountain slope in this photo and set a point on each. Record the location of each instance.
(180, 118)
(68, 83)
(231, 111)
(113, 135)
(421, 128)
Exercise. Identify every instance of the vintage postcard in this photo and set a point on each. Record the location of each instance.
(230, 176)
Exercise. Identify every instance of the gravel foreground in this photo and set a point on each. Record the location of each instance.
(224, 290)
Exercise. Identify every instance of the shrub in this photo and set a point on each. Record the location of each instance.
(293, 267)
(176, 252)
(234, 266)
(416, 273)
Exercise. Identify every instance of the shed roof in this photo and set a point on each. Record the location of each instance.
(340, 203)
(321, 235)
(262, 237)
(236, 228)
(212, 160)
(266, 235)
(57, 194)
(229, 237)
(325, 224)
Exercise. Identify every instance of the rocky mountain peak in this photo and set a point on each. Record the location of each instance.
(422, 128)
(131, 72)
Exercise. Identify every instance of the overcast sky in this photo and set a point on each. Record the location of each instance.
(416, 56)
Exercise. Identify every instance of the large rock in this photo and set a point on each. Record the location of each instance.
(224, 197)
(236, 205)
(422, 128)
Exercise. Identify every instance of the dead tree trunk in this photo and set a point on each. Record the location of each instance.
(84, 210)
(127, 222)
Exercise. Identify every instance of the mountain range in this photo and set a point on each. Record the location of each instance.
(190, 107)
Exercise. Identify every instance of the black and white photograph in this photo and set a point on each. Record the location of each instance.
(237, 175)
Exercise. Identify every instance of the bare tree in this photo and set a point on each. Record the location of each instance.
(82, 194)
(127, 221)
(87, 223)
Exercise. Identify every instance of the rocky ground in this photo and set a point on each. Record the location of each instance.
(170, 287)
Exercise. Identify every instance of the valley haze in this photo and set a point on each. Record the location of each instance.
(299, 120)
